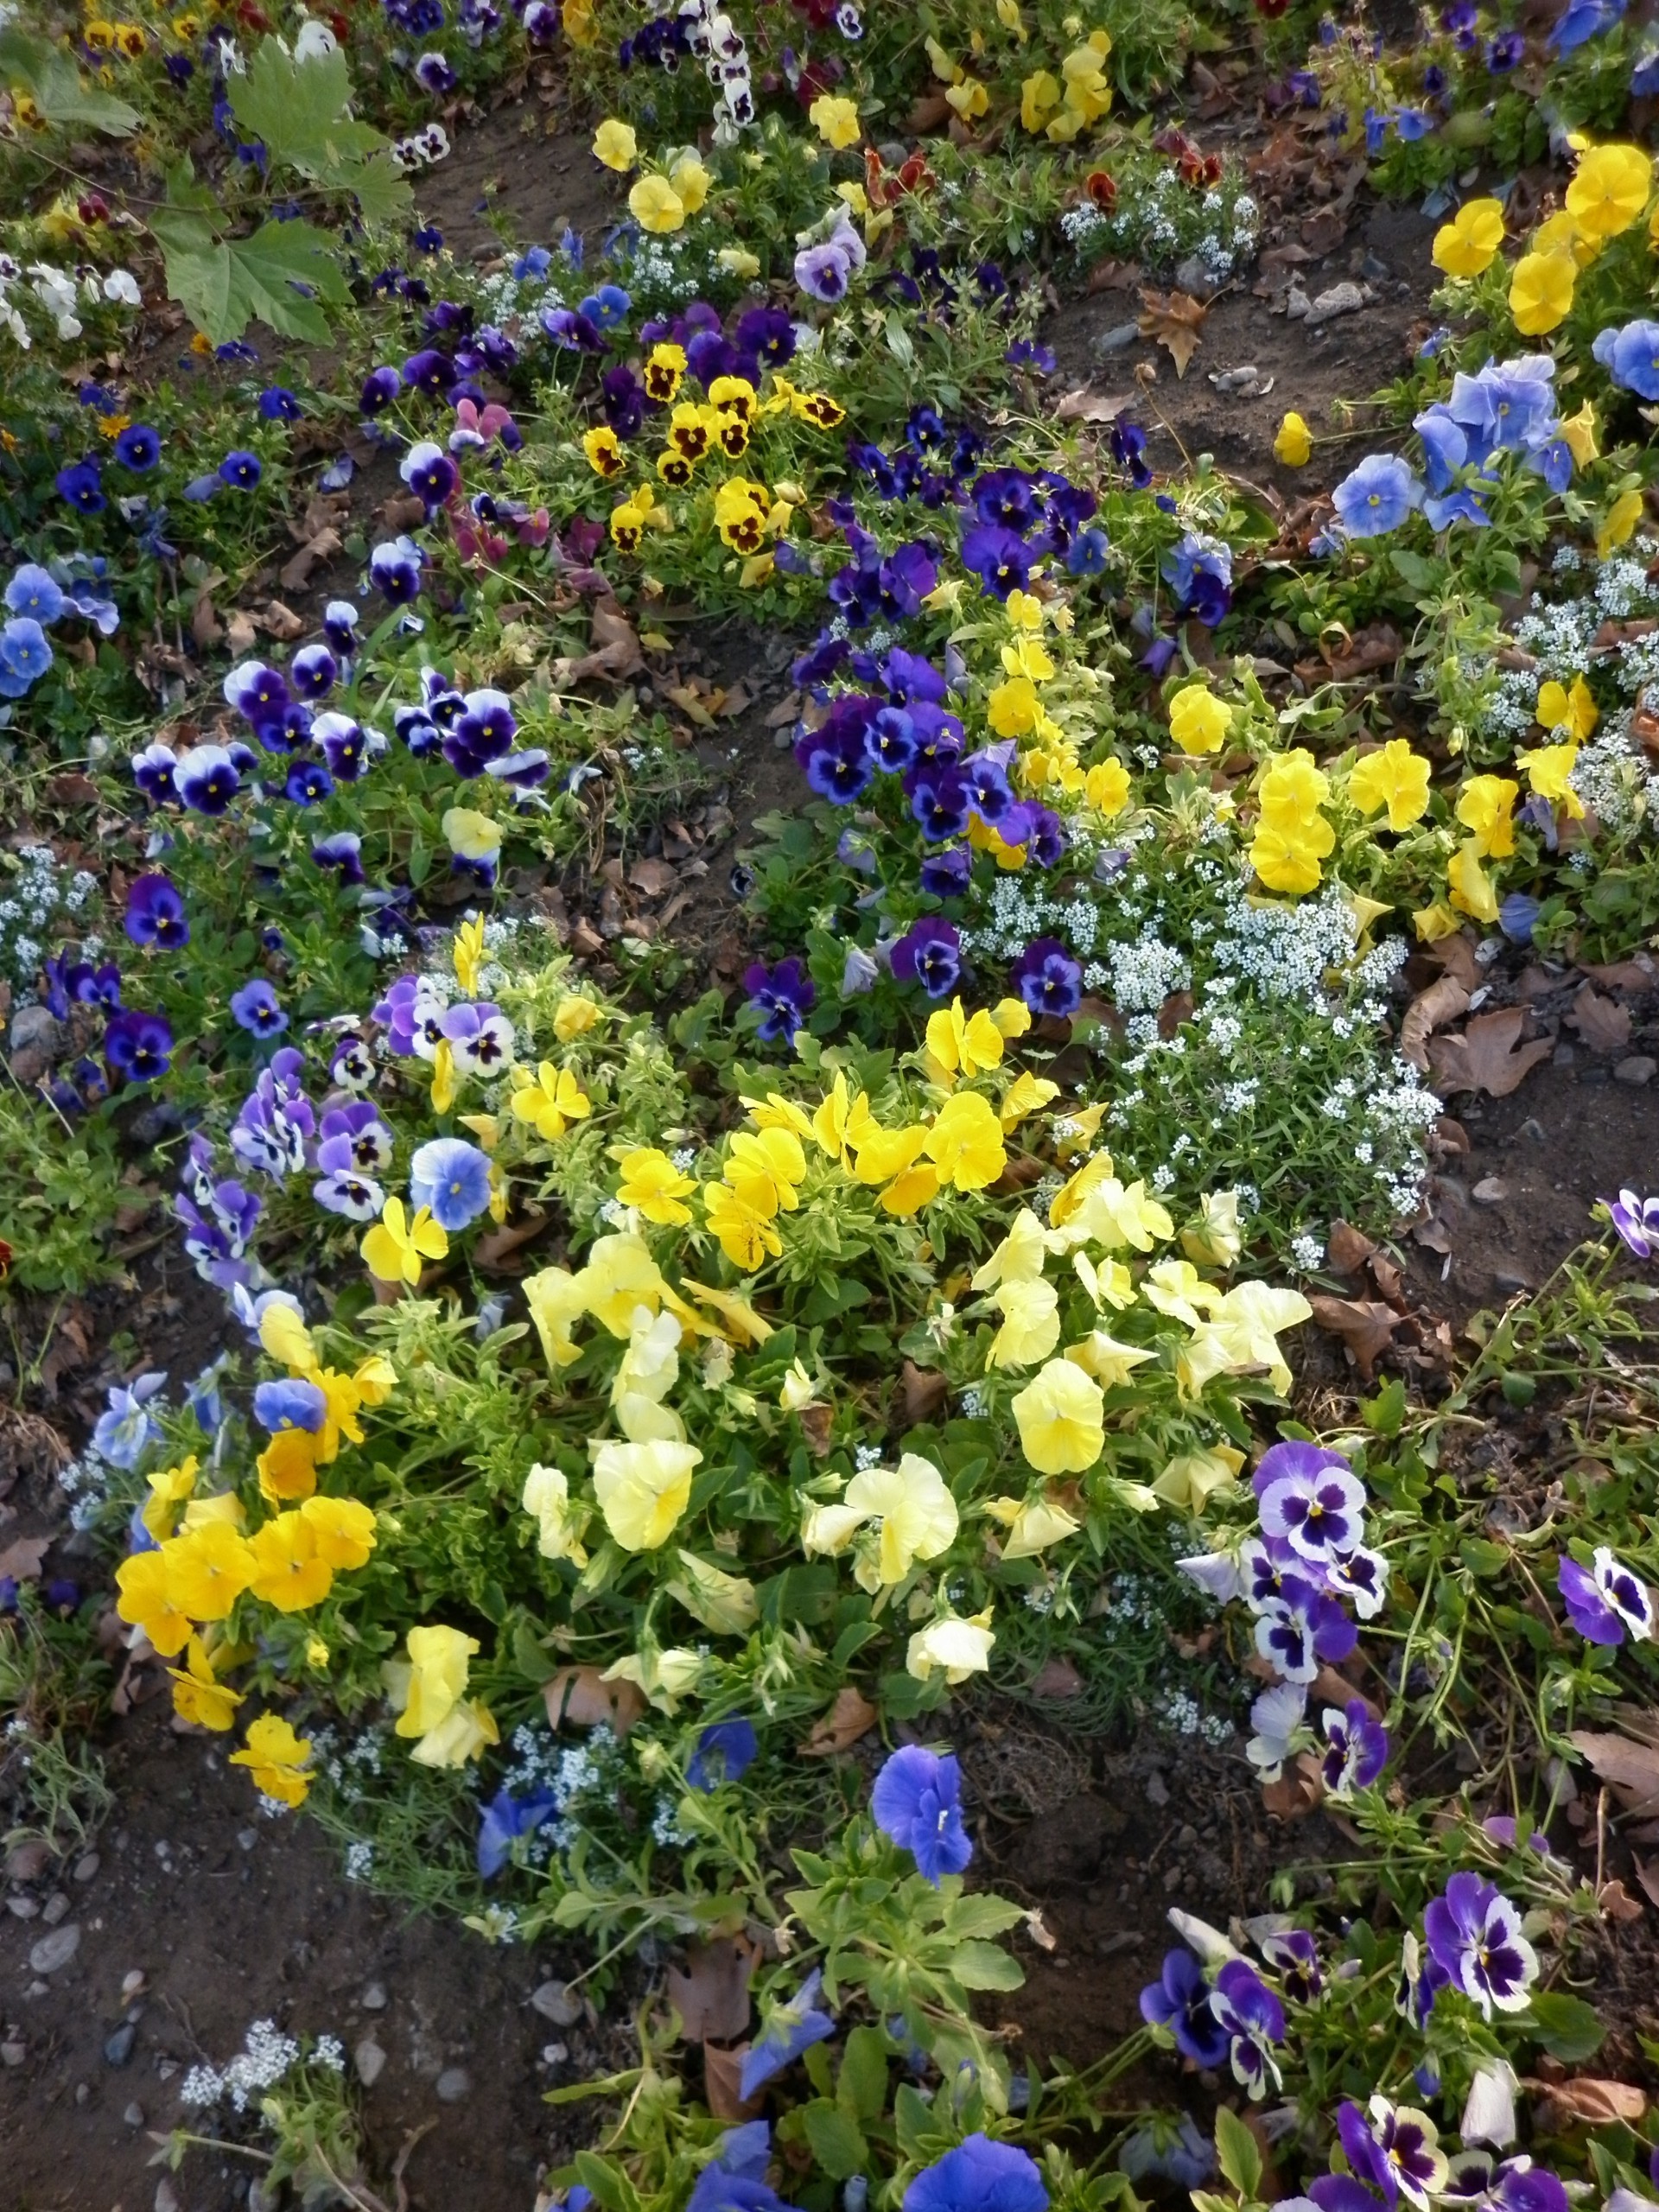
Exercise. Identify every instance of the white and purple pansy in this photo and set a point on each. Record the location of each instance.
(1356, 1748)
(1474, 1934)
(1395, 2149)
(1606, 1601)
(1253, 2021)
(1311, 1500)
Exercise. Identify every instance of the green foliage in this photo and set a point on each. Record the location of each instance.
(63, 97)
(225, 283)
(299, 110)
(62, 1200)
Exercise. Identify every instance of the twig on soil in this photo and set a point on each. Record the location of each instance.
(402, 2160)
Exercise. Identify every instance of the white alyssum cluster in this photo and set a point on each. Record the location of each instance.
(265, 2056)
(35, 897)
(1163, 220)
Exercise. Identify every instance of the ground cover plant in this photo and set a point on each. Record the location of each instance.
(754, 1006)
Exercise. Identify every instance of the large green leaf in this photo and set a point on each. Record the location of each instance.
(54, 84)
(982, 1965)
(837, 2144)
(226, 284)
(298, 110)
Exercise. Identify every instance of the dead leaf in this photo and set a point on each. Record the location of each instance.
(1364, 1325)
(786, 711)
(295, 572)
(1297, 1791)
(1379, 644)
(206, 628)
(21, 1560)
(817, 1420)
(239, 635)
(1637, 974)
(1323, 230)
(1602, 1024)
(924, 1393)
(1056, 1678)
(653, 877)
(403, 511)
(851, 1716)
(1616, 1902)
(1443, 1001)
(712, 1994)
(1647, 1872)
(689, 703)
(1489, 1055)
(72, 789)
(616, 648)
(722, 2079)
(1628, 1761)
(1085, 405)
(1585, 2101)
(495, 1250)
(577, 1695)
(1174, 319)
(1346, 1250)
(1455, 956)
(1039, 1931)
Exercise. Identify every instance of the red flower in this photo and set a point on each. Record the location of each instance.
(93, 207)
(1101, 189)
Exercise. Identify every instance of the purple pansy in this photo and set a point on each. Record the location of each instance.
(789, 2029)
(917, 1800)
(1356, 1748)
(1474, 1934)
(1606, 1601)
(1179, 2000)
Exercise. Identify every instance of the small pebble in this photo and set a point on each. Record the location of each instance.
(558, 2002)
(554, 2053)
(167, 2197)
(134, 2116)
(454, 2085)
(117, 2047)
(370, 2062)
(1157, 1789)
(83, 2091)
(132, 1984)
(86, 1866)
(56, 1949)
(166, 2069)
(56, 1909)
(12, 2052)
(246, 1838)
(25, 1907)
(1638, 1070)
(1490, 1191)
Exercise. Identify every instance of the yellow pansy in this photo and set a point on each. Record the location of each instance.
(472, 835)
(615, 145)
(1031, 1325)
(656, 206)
(1486, 806)
(142, 1599)
(691, 183)
(1293, 445)
(954, 1646)
(1467, 244)
(1547, 768)
(1106, 787)
(1618, 524)
(276, 1756)
(1574, 711)
(558, 1299)
(439, 1661)
(1577, 433)
(965, 1142)
(167, 1489)
(1287, 859)
(654, 1186)
(1060, 1417)
(1291, 794)
(620, 1276)
(547, 1499)
(1393, 776)
(642, 1488)
(549, 1101)
(1197, 720)
(1011, 708)
(958, 1044)
(395, 1248)
(208, 1570)
(1243, 1331)
(1215, 1239)
(1040, 96)
(342, 1528)
(292, 1573)
(198, 1696)
(1609, 189)
(836, 120)
(1470, 885)
(910, 1512)
(1540, 292)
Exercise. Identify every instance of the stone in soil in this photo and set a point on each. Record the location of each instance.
(558, 2002)
(454, 2084)
(56, 1949)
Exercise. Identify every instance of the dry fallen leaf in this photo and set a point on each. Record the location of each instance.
(1489, 1055)
(1616, 1902)
(1628, 1762)
(1056, 1678)
(1443, 1001)
(1637, 974)
(924, 1393)
(21, 1561)
(1297, 1791)
(817, 1420)
(1603, 1025)
(1346, 1250)
(1584, 2101)
(722, 2080)
(1085, 405)
(577, 1695)
(616, 648)
(1379, 644)
(1174, 319)
(295, 572)
(1647, 1872)
(1364, 1325)
(712, 1994)
(851, 1716)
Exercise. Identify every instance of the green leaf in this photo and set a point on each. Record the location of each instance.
(983, 1966)
(899, 343)
(862, 2091)
(1237, 2152)
(1421, 574)
(54, 84)
(912, 2120)
(1383, 1413)
(982, 1914)
(837, 2146)
(1567, 2028)
(226, 284)
(299, 111)
(609, 2184)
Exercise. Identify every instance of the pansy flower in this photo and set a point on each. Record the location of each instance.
(1310, 1499)
(1395, 2149)
(917, 1800)
(1474, 1933)
(1253, 2021)
(784, 995)
(1179, 2000)
(1606, 1601)
(929, 953)
(1356, 1748)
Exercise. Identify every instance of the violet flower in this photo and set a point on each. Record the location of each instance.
(1605, 1599)
(1474, 1933)
(1357, 1749)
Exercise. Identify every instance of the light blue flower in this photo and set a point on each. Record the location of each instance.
(452, 1179)
(127, 1426)
(791, 2029)
(1630, 357)
(1377, 496)
(33, 591)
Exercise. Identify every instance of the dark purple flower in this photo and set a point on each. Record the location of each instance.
(784, 994)
(1356, 1748)
(138, 1046)
(1474, 1933)
(156, 913)
(1311, 1500)
(1179, 2000)
(82, 487)
(1394, 2149)
(1128, 444)
(929, 953)
(835, 760)
(1606, 1600)
(380, 387)
(240, 469)
(207, 778)
(257, 1008)
(1294, 1957)
(917, 1800)
(430, 371)
(342, 852)
(139, 447)
(947, 875)
(939, 801)
(1000, 558)
(1047, 978)
(308, 783)
(1252, 2019)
